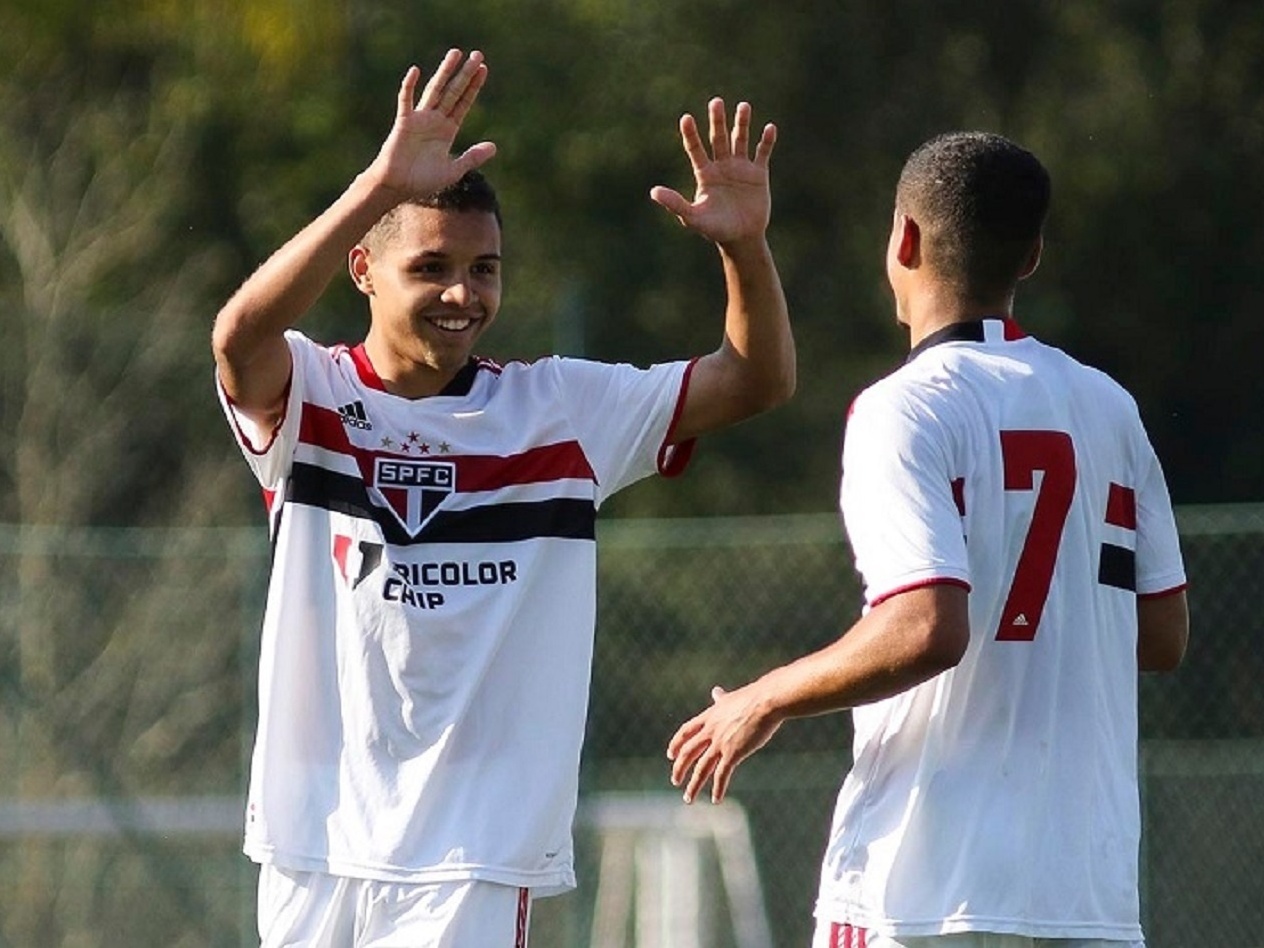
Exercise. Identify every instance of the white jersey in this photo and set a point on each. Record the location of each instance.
(1001, 795)
(427, 640)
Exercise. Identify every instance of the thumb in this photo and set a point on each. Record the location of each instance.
(475, 156)
(672, 201)
(717, 693)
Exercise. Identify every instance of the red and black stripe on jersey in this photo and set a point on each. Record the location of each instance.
(312, 485)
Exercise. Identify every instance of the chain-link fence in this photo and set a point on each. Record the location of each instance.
(126, 705)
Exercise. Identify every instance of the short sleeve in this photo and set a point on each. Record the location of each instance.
(1160, 566)
(896, 498)
(622, 416)
(270, 453)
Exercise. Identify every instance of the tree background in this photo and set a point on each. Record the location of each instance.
(153, 152)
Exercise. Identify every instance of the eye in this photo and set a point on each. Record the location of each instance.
(485, 268)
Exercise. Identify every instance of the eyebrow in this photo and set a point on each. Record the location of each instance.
(440, 255)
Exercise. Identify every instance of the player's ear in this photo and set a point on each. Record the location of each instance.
(908, 244)
(358, 267)
(1033, 259)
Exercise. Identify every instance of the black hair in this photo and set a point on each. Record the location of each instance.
(471, 192)
(980, 201)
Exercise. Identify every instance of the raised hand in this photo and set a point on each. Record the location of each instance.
(416, 157)
(732, 200)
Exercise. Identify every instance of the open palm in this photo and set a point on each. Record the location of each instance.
(416, 158)
(731, 199)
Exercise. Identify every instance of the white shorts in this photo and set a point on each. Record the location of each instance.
(840, 935)
(316, 910)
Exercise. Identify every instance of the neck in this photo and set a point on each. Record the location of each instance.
(404, 376)
(931, 311)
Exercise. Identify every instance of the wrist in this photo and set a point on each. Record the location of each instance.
(370, 188)
(752, 248)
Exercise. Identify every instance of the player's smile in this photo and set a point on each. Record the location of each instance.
(452, 323)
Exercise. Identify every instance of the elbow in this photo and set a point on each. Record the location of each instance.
(944, 649)
(238, 342)
(1161, 657)
(1162, 632)
(776, 390)
(933, 626)
(788, 383)
(223, 336)
(936, 645)
(1160, 665)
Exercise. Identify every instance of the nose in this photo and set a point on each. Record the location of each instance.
(459, 293)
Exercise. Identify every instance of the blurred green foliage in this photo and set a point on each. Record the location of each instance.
(153, 152)
(229, 124)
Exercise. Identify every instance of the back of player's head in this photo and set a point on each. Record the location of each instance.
(472, 192)
(980, 201)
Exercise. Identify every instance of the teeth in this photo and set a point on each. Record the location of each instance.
(452, 324)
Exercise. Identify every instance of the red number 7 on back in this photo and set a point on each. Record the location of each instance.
(1023, 454)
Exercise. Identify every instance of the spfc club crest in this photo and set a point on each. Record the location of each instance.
(413, 489)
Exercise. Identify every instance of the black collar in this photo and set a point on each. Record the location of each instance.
(463, 381)
(971, 331)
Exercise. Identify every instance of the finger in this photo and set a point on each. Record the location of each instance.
(692, 140)
(686, 757)
(673, 201)
(407, 90)
(433, 92)
(474, 157)
(717, 693)
(473, 72)
(476, 80)
(763, 150)
(719, 129)
(720, 780)
(741, 129)
(683, 733)
(701, 773)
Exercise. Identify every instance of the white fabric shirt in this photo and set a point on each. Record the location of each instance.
(1001, 795)
(427, 640)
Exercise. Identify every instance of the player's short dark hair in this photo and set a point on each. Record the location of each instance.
(471, 192)
(980, 201)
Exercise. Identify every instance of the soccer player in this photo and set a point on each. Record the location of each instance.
(427, 639)
(1020, 562)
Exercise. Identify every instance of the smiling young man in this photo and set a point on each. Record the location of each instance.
(431, 271)
(427, 639)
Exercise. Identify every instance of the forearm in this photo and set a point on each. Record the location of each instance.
(251, 356)
(896, 645)
(290, 282)
(884, 654)
(757, 324)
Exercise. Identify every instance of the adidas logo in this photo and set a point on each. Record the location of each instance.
(353, 416)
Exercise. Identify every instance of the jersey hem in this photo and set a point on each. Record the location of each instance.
(542, 884)
(833, 913)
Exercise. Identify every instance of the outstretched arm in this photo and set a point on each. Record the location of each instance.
(754, 368)
(251, 356)
(899, 643)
